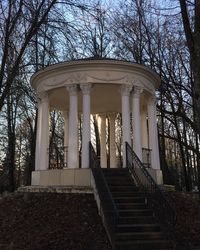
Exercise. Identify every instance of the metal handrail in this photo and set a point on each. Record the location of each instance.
(108, 205)
(146, 157)
(156, 197)
(57, 157)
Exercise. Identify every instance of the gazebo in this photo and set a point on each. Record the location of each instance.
(104, 87)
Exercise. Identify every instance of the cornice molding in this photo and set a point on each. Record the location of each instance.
(100, 72)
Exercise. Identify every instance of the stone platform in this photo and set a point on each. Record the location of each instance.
(56, 189)
(79, 177)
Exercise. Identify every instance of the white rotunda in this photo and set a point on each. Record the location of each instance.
(104, 87)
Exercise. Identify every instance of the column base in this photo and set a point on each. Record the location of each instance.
(62, 177)
(156, 174)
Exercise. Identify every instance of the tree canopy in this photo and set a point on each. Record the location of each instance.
(164, 37)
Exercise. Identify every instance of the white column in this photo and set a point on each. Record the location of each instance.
(66, 127)
(153, 134)
(136, 122)
(42, 141)
(86, 131)
(103, 155)
(144, 133)
(73, 127)
(113, 161)
(38, 135)
(125, 94)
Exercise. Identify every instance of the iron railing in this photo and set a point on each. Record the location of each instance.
(108, 207)
(157, 199)
(57, 157)
(146, 157)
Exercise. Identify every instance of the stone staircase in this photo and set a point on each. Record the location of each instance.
(137, 228)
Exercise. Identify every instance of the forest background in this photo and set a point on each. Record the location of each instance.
(166, 38)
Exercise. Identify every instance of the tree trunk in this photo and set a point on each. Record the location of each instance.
(193, 43)
(11, 146)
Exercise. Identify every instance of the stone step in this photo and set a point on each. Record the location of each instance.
(136, 219)
(124, 188)
(115, 170)
(138, 199)
(121, 173)
(135, 236)
(122, 182)
(118, 176)
(138, 228)
(131, 205)
(144, 245)
(135, 212)
(127, 194)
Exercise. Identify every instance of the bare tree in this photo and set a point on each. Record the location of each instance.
(20, 21)
(191, 21)
(146, 36)
(93, 33)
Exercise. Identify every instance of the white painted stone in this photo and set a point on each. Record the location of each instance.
(103, 154)
(63, 177)
(73, 127)
(136, 121)
(153, 133)
(82, 177)
(35, 178)
(156, 174)
(86, 130)
(66, 127)
(44, 178)
(113, 160)
(126, 129)
(67, 177)
(54, 176)
(106, 77)
(42, 141)
(144, 133)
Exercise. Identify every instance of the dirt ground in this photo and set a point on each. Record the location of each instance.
(71, 222)
(51, 221)
(188, 217)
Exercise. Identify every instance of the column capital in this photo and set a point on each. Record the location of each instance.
(153, 99)
(103, 115)
(137, 90)
(72, 89)
(86, 88)
(43, 97)
(112, 116)
(125, 89)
